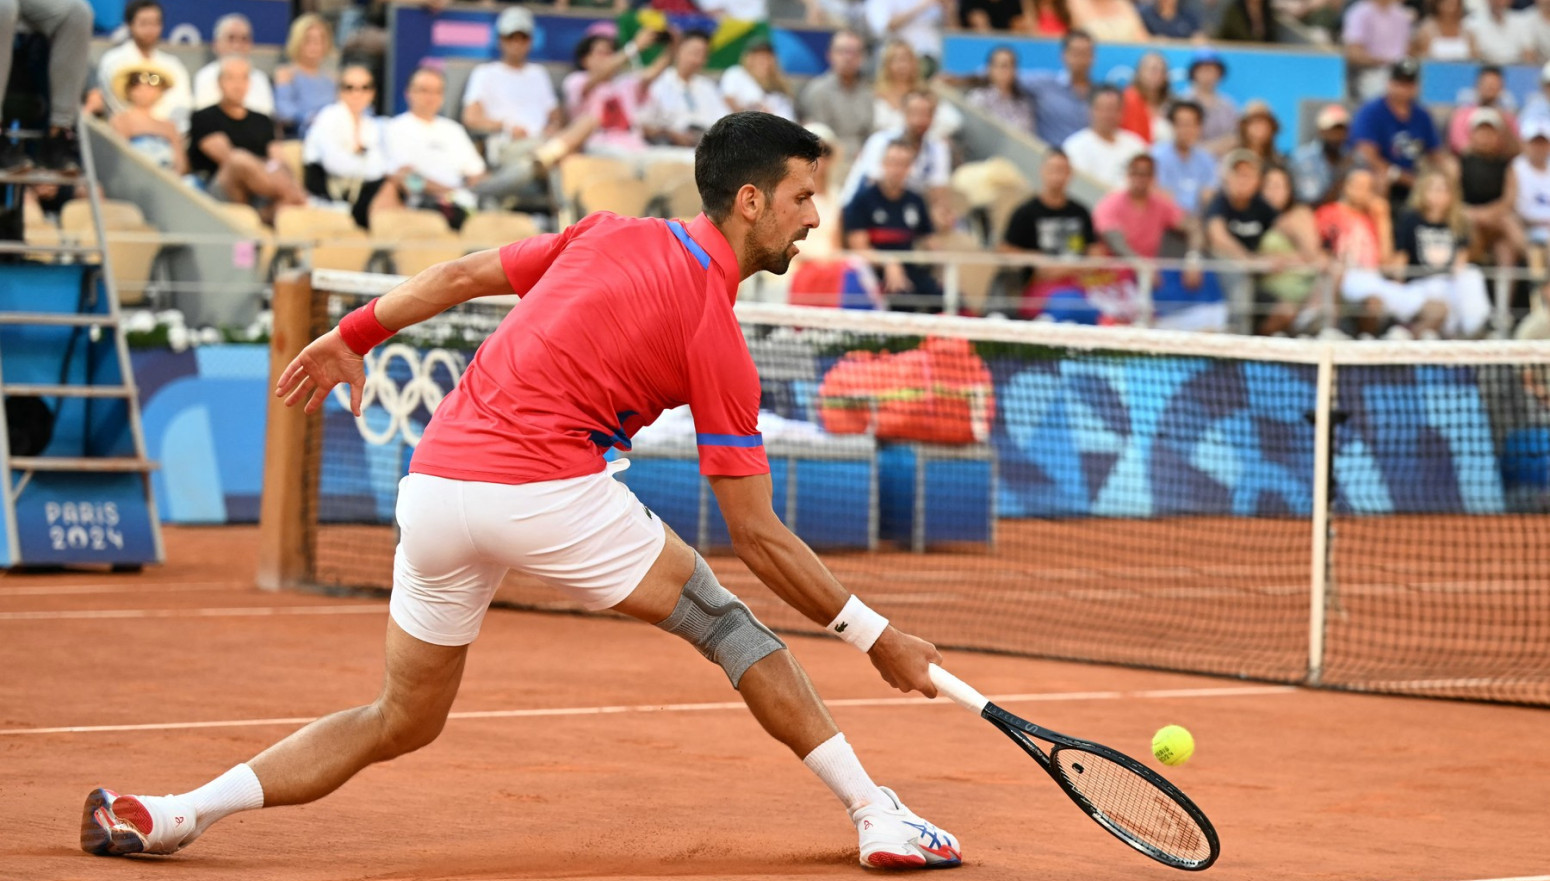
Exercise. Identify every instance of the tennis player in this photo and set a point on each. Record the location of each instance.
(619, 319)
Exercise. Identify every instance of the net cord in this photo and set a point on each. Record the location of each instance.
(1035, 333)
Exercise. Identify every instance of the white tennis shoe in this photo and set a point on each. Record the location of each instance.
(118, 825)
(895, 837)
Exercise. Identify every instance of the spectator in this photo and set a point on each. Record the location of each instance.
(303, 87)
(1286, 292)
(933, 162)
(889, 216)
(1531, 189)
(736, 10)
(1376, 34)
(512, 100)
(683, 102)
(233, 35)
(1320, 164)
(1538, 104)
(917, 23)
(1103, 150)
(67, 24)
(1535, 22)
(1238, 221)
(430, 160)
(144, 18)
(1249, 21)
(1145, 109)
(1360, 232)
(1488, 93)
(758, 84)
(232, 153)
(1003, 97)
(1112, 21)
(138, 87)
(1055, 225)
(1500, 38)
(898, 74)
(1134, 219)
(1220, 130)
(1257, 131)
(1185, 172)
(1171, 20)
(604, 88)
(1432, 250)
(1442, 36)
(986, 16)
(1060, 99)
(1393, 133)
(1051, 18)
(343, 150)
(841, 99)
(1486, 181)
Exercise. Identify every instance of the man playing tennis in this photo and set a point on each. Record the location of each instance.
(620, 319)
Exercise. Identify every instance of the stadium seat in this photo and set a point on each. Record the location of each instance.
(76, 216)
(580, 170)
(627, 197)
(290, 154)
(331, 234)
(131, 262)
(304, 222)
(664, 177)
(422, 252)
(489, 229)
(974, 279)
(347, 250)
(401, 225)
(683, 201)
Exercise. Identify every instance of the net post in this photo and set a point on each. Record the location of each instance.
(1319, 580)
(282, 554)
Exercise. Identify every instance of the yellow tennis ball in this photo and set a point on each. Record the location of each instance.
(1172, 745)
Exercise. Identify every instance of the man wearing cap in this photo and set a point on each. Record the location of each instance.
(1376, 33)
(1486, 188)
(1531, 184)
(1318, 165)
(512, 100)
(1538, 104)
(1394, 133)
(842, 98)
(1060, 99)
(1488, 92)
(1219, 129)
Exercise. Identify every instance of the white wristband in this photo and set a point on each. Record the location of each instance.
(857, 624)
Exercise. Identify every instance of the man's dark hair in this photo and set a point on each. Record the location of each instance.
(1105, 89)
(1073, 35)
(750, 147)
(1053, 152)
(584, 48)
(1488, 68)
(696, 34)
(1186, 104)
(902, 144)
(918, 94)
(135, 7)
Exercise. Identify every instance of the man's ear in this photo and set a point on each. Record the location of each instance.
(749, 203)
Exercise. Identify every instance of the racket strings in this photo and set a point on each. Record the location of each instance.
(1133, 805)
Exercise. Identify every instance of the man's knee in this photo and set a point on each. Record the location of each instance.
(406, 727)
(719, 625)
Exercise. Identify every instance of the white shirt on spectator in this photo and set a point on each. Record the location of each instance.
(933, 164)
(923, 33)
(737, 84)
(437, 149)
(511, 96)
(1536, 30)
(176, 104)
(678, 106)
(332, 142)
(1499, 42)
(1533, 203)
(207, 89)
(1102, 160)
(737, 10)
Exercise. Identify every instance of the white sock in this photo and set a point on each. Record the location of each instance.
(236, 790)
(836, 765)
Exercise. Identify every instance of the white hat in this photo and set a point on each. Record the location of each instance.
(1535, 127)
(1485, 116)
(514, 20)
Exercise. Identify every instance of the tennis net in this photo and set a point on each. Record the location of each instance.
(1361, 515)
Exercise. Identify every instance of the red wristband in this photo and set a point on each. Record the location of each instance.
(361, 330)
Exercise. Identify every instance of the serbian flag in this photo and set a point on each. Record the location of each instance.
(728, 38)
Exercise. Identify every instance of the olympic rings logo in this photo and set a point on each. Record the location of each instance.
(400, 403)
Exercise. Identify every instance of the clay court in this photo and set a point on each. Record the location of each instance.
(584, 747)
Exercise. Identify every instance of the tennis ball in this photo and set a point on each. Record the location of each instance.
(1172, 745)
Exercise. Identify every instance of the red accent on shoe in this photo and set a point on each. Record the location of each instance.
(895, 861)
(130, 810)
(946, 851)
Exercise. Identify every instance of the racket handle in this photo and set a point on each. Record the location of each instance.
(962, 693)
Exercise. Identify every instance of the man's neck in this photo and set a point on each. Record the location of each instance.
(425, 117)
(892, 194)
(849, 81)
(1107, 137)
(235, 111)
(145, 50)
(686, 76)
(1053, 198)
(1400, 109)
(1183, 149)
(514, 65)
(736, 240)
(1143, 196)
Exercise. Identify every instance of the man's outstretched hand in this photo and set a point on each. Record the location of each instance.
(323, 364)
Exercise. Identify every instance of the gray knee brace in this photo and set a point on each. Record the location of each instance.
(718, 624)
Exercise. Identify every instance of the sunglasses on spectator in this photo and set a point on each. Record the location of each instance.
(146, 78)
(356, 87)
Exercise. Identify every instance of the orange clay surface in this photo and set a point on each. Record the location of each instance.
(676, 781)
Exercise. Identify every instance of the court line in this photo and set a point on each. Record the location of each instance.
(233, 612)
(1519, 878)
(74, 589)
(540, 712)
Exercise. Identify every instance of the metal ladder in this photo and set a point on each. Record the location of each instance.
(85, 497)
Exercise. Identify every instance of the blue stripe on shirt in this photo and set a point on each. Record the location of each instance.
(691, 244)
(729, 440)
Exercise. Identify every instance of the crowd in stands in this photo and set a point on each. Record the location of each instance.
(1395, 211)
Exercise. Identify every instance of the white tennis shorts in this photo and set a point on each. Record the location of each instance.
(588, 537)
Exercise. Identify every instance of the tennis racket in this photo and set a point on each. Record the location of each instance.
(1122, 795)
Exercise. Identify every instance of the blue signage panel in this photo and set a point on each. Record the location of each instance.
(76, 518)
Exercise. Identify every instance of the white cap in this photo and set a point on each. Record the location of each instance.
(1535, 127)
(1485, 116)
(514, 20)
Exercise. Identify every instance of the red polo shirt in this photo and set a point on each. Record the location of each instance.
(620, 319)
